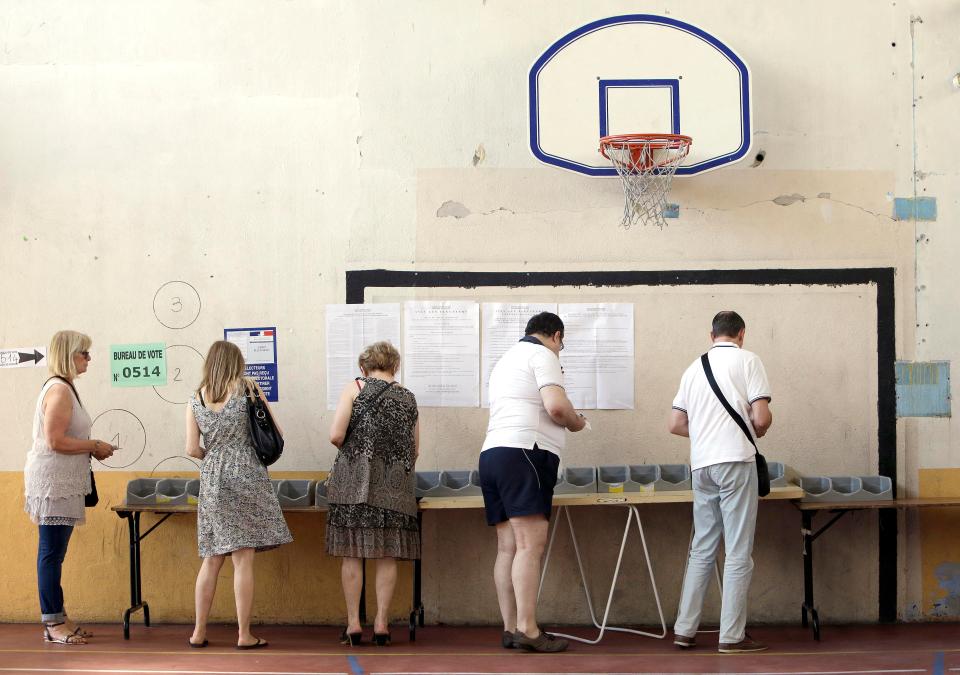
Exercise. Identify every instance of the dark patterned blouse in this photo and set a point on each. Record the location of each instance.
(375, 464)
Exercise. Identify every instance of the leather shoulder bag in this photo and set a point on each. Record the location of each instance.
(266, 438)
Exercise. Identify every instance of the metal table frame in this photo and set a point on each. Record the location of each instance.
(809, 616)
(131, 513)
(631, 500)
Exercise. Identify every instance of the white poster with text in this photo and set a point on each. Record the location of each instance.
(441, 360)
(350, 328)
(503, 326)
(598, 358)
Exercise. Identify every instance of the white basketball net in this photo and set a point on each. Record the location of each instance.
(646, 164)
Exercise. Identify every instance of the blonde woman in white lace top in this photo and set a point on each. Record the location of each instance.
(57, 476)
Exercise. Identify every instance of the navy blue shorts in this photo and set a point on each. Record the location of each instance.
(517, 482)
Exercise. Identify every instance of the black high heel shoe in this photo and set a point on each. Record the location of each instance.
(351, 639)
(381, 639)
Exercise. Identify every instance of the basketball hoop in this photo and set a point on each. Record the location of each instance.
(646, 164)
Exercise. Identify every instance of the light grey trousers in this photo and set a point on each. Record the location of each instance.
(724, 504)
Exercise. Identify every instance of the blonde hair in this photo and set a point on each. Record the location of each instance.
(63, 346)
(379, 356)
(222, 369)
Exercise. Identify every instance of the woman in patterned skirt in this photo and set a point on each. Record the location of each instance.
(373, 509)
(238, 513)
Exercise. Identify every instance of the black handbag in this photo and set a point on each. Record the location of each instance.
(763, 474)
(91, 498)
(267, 440)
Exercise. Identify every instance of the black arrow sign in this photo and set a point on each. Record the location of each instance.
(35, 357)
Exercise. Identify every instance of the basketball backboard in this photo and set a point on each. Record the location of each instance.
(639, 73)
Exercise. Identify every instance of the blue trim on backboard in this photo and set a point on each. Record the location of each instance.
(673, 85)
(573, 36)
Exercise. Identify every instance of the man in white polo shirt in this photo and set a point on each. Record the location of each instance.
(724, 480)
(529, 415)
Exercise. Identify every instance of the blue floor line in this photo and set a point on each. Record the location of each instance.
(357, 670)
(938, 664)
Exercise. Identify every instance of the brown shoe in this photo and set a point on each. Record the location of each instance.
(684, 642)
(506, 640)
(745, 646)
(543, 643)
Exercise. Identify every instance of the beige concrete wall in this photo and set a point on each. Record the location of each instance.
(259, 151)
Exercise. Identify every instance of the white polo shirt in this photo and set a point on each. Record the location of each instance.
(518, 418)
(714, 436)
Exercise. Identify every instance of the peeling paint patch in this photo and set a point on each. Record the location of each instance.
(948, 578)
(479, 155)
(787, 200)
(451, 208)
(916, 208)
(671, 210)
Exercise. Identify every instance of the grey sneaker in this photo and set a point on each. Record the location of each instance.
(684, 642)
(543, 643)
(507, 640)
(745, 646)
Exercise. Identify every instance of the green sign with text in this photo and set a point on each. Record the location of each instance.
(139, 365)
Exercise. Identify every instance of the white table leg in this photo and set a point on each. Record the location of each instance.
(632, 513)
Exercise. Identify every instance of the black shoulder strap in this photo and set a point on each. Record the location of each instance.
(729, 408)
(68, 383)
(366, 412)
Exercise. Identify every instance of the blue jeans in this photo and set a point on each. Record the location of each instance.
(724, 506)
(50, 555)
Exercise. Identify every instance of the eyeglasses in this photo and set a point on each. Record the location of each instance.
(84, 354)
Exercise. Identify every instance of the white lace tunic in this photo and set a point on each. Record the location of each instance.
(55, 483)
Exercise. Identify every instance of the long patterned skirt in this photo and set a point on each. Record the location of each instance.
(364, 531)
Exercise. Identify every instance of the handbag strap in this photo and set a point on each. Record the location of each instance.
(74, 390)
(68, 383)
(723, 400)
(366, 412)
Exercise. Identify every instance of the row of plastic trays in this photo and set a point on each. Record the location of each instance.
(846, 488)
(572, 480)
(183, 491)
(587, 479)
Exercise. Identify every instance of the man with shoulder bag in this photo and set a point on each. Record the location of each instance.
(723, 406)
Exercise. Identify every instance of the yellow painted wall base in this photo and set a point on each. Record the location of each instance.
(940, 545)
(297, 583)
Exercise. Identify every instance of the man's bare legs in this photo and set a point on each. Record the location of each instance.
(530, 534)
(503, 575)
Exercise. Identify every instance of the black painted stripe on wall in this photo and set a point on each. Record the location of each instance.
(358, 281)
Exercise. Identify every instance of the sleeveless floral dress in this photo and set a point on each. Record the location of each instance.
(238, 507)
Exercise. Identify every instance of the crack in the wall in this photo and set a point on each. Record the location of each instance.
(455, 209)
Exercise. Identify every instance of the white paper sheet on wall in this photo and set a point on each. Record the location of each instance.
(350, 328)
(598, 358)
(503, 325)
(441, 357)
